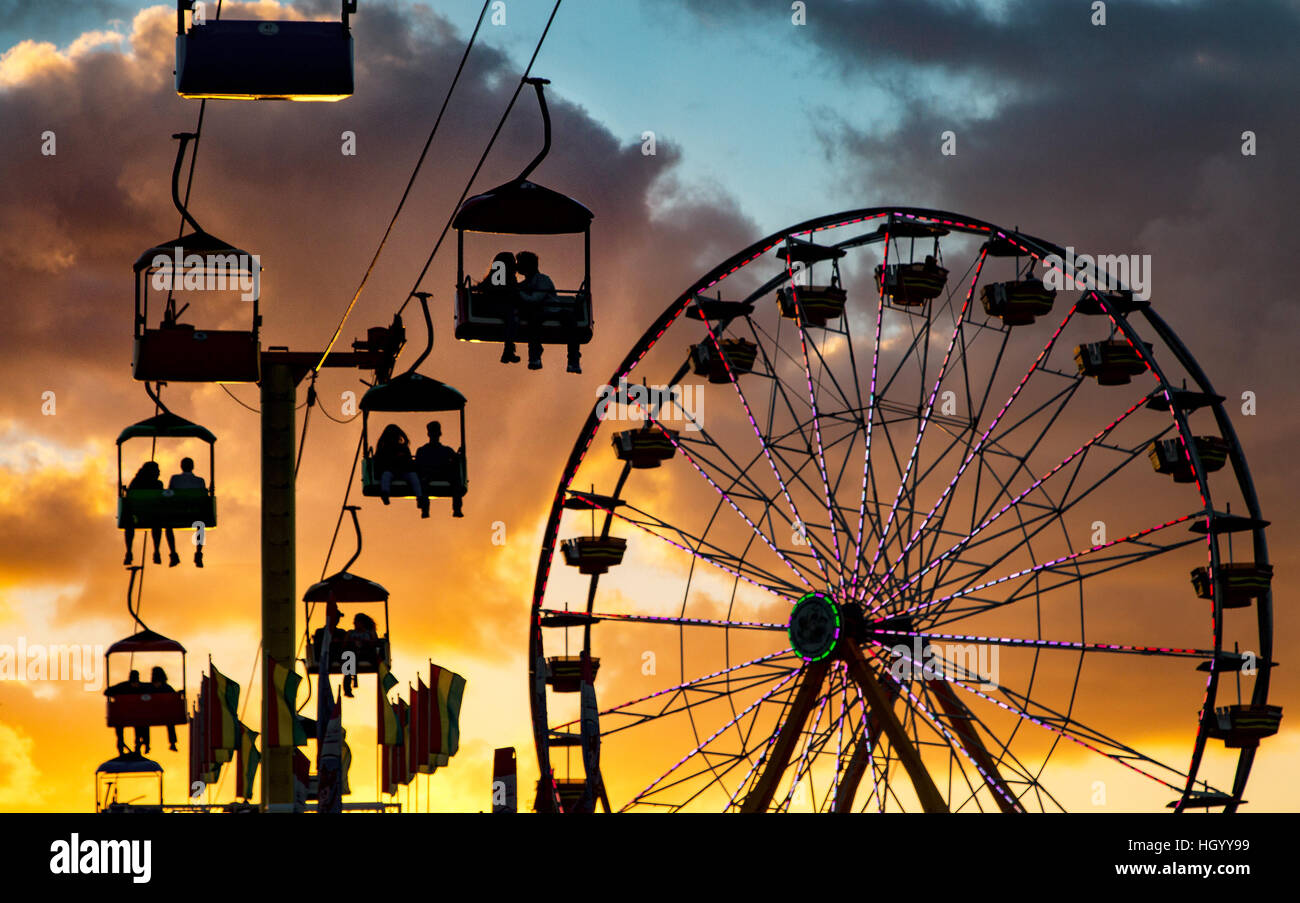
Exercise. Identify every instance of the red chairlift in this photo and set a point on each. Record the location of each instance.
(521, 207)
(227, 59)
(344, 588)
(180, 352)
(144, 707)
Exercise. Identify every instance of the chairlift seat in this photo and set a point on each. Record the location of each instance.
(481, 317)
(369, 653)
(1241, 581)
(911, 284)
(645, 448)
(1113, 362)
(149, 707)
(445, 487)
(1017, 303)
(185, 354)
(564, 672)
(229, 59)
(175, 508)
(594, 554)
(1168, 456)
(739, 353)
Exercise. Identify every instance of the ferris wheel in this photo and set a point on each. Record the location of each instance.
(888, 512)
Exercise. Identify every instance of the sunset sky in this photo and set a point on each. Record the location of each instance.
(1124, 138)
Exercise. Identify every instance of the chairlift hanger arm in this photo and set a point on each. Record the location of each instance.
(428, 327)
(540, 84)
(185, 138)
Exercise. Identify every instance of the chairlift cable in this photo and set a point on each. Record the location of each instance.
(409, 184)
(500, 125)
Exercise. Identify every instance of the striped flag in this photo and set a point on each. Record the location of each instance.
(285, 727)
(246, 762)
(422, 707)
(445, 729)
(388, 728)
(223, 716)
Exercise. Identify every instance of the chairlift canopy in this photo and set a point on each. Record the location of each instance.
(129, 763)
(345, 587)
(204, 244)
(145, 641)
(168, 426)
(410, 392)
(521, 207)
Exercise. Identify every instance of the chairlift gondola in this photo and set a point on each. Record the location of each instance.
(521, 207)
(412, 392)
(197, 262)
(229, 59)
(141, 706)
(345, 588)
(131, 775)
(180, 508)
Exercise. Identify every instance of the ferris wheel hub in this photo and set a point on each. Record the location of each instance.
(815, 626)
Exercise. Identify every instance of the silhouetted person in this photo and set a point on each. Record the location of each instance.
(538, 299)
(393, 458)
(129, 687)
(501, 285)
(187, 479)
(362, 639)
(437, 463)
(148, 477)
(158, 684)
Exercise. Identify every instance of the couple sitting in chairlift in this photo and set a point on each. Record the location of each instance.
(433, 462)
(150, 477)
(528, 298)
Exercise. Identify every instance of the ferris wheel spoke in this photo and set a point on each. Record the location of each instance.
(712, 685)
(1066, 645)
(760, 797)
(696, 751)
(1033, 584)
(752, 492)
(734, 507)
(927, 411)
(979, 445)
(749, 413)
(732, 564)
(817, 427)
(1037, 485)
(675, 621)
(1070, 729)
